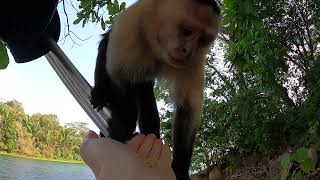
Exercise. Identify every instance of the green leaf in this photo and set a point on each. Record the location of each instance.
(109, 22)
(116, 6)
(84, 21)
(233, 46)
(226, 21)
(298, 175)
(85, 2)
(110, 8)
(116, 3)
(93, 17)
(227, 3)
(285, 160)
(301, 155)
(308, 165)
(103, 24)
(284, 175)
(123, 6)
(245, 7)
(77, 21)
(4, 58)
(234, 108)
(80, 14)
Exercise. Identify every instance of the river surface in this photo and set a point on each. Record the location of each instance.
(17, 168)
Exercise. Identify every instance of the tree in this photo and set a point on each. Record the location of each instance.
(38, 135)
(15, 105)
(79, 128)
(8, 129)
(25, 141)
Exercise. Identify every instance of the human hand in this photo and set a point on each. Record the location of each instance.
(144, 157)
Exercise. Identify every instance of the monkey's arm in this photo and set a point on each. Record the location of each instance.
(102, 82)
(183, 140)
(184, 132)
(189, 100)
(122, 104)
(148, 116)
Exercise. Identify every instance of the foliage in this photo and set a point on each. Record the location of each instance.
(38, 135)
(7, 126)
(300, 162)
(4, 58)
(90, 10)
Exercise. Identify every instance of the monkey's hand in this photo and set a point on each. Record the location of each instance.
(100, 97)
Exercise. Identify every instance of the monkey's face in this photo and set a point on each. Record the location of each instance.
(185, 31)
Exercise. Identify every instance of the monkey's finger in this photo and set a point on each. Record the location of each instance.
(165, 156)
(135, 143)
(146, 146)
(156, 150)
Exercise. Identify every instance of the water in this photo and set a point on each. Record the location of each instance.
(17, 168)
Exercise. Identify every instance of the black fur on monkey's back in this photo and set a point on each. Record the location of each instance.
(135, 103)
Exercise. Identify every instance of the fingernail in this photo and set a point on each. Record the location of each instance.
(91, 134)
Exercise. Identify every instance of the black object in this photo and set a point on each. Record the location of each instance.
(23, 24)
(31, 29)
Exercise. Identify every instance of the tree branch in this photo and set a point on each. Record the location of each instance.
(296, 63)
(224, 79)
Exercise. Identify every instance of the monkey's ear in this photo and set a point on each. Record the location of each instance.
(214, 4)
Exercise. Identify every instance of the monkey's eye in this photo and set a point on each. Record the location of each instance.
(202, 41)
(187, 32)
(205, 40)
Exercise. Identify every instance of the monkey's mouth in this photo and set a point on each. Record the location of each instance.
(178, 62)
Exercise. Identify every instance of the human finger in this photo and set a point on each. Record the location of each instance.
(135, 143)
(91, 134)
(146, 146)
(156, 150)
(87, 145)
(89, 152)
(165, 156)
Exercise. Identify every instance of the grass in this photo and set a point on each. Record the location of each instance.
(40, 158)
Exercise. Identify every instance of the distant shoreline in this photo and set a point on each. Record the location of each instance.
(40, 159)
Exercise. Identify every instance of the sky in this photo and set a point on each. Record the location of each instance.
(37, 86)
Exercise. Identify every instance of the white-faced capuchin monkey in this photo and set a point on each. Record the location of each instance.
(156, 39)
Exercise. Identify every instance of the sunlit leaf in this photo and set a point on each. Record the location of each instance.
(77, 21)
(285, 160)
(301, 155)
(4, 58)
(103, 24)
(298, 175)
(284, 175)
(308, 165)
(123, 6)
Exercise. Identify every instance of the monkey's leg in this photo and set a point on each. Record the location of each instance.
(148, 116)
(124, 115)
(100, 94)
(183, 139)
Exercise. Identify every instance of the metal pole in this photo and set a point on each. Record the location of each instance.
(76, 84)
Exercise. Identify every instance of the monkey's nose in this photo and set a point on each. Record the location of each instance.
(180, 54)
(185, 52)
